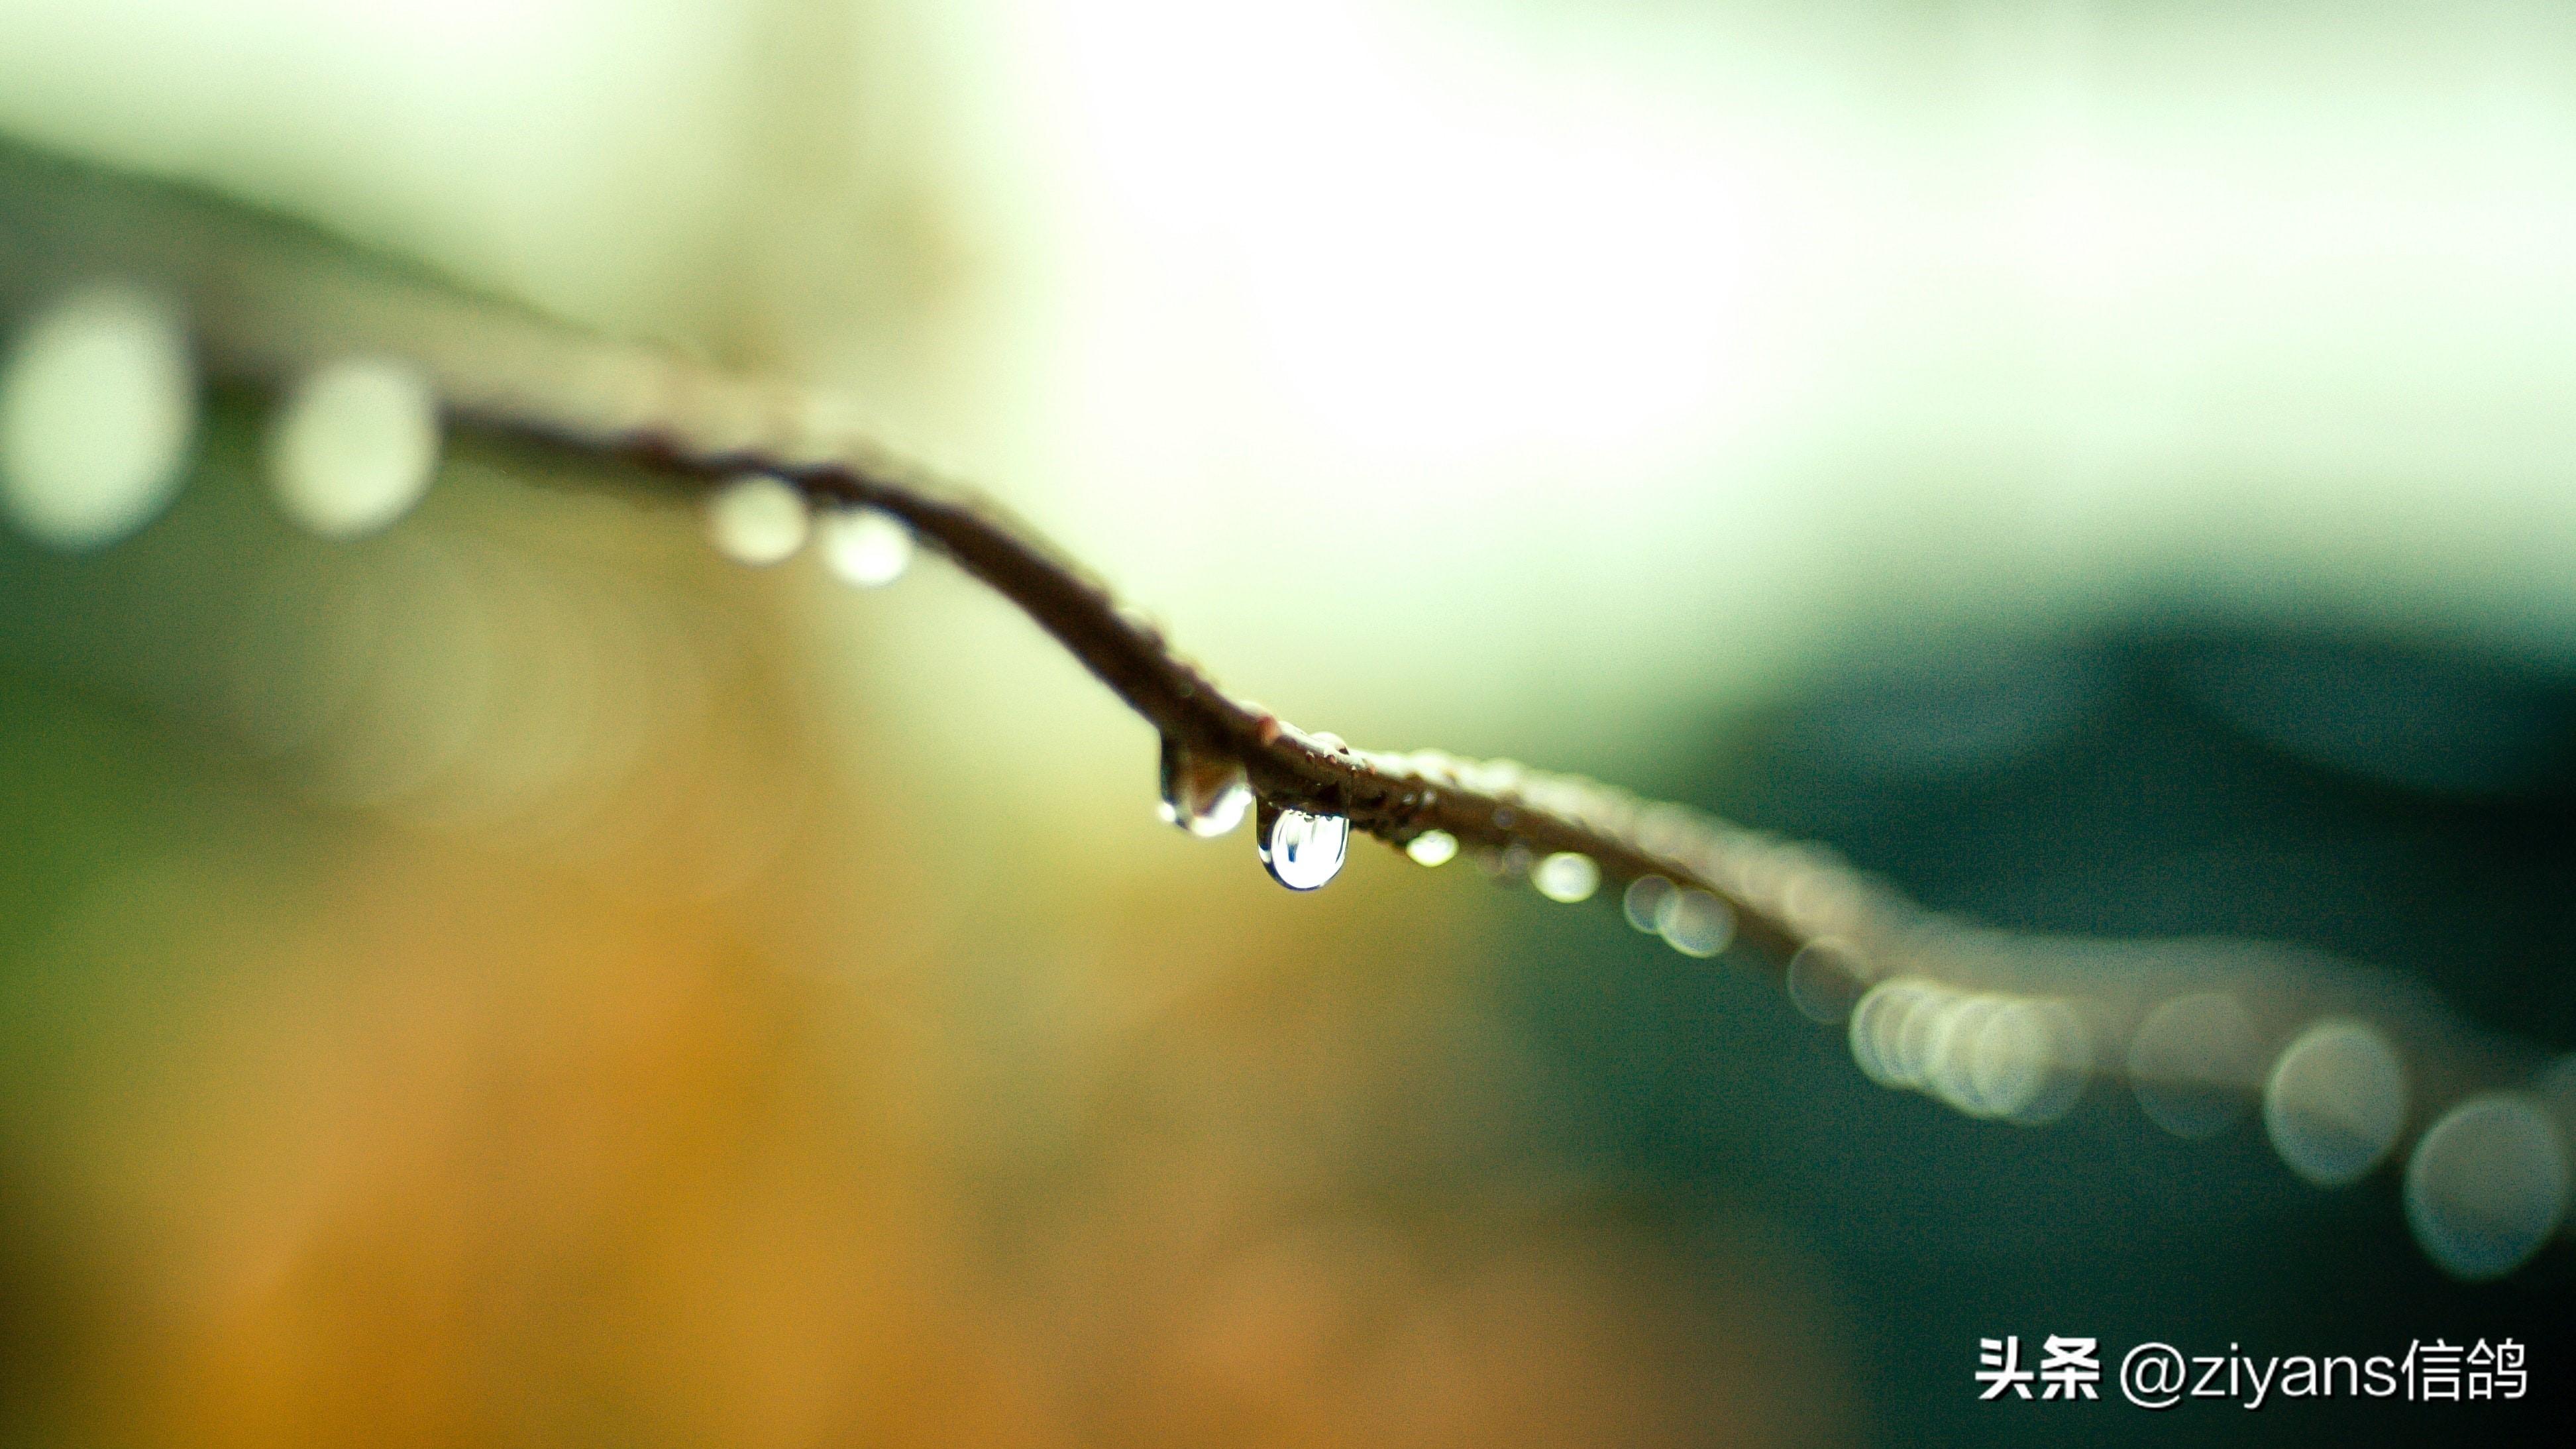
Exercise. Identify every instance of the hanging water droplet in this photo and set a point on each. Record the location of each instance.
(1643, 899)
(2487, 1186)
(354, 447)
(1694, 923)
(866, 546)
(1302, 851)
(1824, 980)
(2335, 1101)
(1432, 847)
(1205, 795)
(757, 519)
(1567, 876)
(2196, 1063)
(98, 402)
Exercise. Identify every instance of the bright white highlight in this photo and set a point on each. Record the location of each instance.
(758, 520)
(864, 546)
(354, 447)
(97, 403)
(1566, 876)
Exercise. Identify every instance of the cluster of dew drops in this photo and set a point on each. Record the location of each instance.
(99, 415)
(1207, 794)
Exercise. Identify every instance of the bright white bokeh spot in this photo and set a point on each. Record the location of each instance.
(757, 519)
(98, 399)
(2487, 1186)
(354, 447)
(2195, 1064)
(868, 547)
(1567, 876)
(2335, 1101)
(1432, 847)
(1694, 922)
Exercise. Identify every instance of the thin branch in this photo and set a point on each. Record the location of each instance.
(270, 300)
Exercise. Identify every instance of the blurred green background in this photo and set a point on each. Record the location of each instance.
(523, 979)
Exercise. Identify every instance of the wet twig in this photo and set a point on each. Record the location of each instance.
(269, 300)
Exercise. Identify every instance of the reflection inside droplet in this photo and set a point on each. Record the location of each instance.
(2487, 1186)
(1302, 851)
(756, 519)
(2194, 1064)
(1432, 847)
(354, 446)
(2335, 1101)
(1567, 876)
(1204, 794)
(865, 546)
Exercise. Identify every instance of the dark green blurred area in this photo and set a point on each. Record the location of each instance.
(2396, 802)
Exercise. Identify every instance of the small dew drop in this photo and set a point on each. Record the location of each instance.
(1824, 982)
(1432, 847)
(2335, 1101)
(1643, 899)
(2195, 1064)
(354, 447)
(756, 519)
(1302, 851)
(865, 546)
(98, 402)
(1205, 795)
(1694, 923)
(2487, 1186)
(1879, 1028)
(1567, 876)
(2031, 1062)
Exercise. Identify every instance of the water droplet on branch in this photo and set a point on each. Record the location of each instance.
(1302, 851)
(2195, 1064)
(1824, 981)
(866, 546)
(98, 401)
(354, 447)
(1432, 847)
(2487, 1186)
(1205, 795)
(1694, 922)
(756, 519)
(1567, 876)
(1643, 899)
(2334, 1101)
